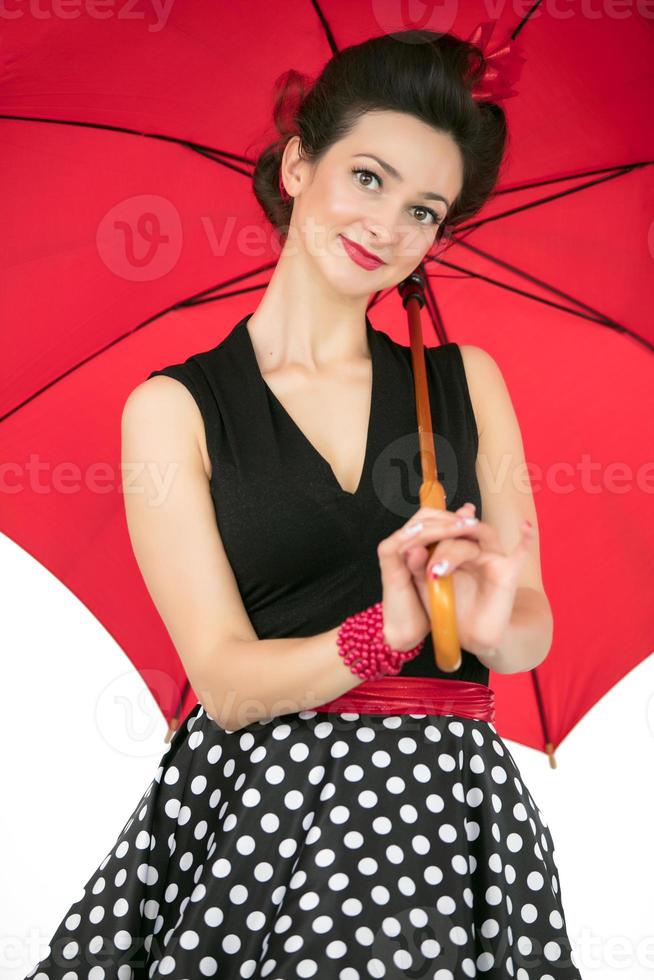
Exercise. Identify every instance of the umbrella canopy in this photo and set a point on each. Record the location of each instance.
(133, 239)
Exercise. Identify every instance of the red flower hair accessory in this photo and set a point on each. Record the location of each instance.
(503, 65)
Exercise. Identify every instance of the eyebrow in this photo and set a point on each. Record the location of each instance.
(398, 176)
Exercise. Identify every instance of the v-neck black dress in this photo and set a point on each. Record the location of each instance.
(326, 845)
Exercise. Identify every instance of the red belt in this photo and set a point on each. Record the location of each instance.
(417, 695)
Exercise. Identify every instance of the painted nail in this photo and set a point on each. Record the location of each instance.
(466, 522)
(412, 529)
(439, 568)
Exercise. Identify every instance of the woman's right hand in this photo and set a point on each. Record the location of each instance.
(406, 622)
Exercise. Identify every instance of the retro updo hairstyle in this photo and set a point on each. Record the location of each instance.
(426, 74)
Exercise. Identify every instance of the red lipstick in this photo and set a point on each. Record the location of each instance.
(360, 255)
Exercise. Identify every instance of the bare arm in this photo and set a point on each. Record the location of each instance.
(507, 500)
(172, 527)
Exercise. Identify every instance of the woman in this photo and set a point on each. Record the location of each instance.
(282, 836)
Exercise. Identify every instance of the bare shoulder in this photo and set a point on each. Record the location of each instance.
(502, 470)
(160, 410)
(486, 383)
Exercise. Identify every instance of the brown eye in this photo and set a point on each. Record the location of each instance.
(369, 173)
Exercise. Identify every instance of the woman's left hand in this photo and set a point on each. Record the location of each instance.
(483, 575)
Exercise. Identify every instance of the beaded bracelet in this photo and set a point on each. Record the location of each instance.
(360, 642)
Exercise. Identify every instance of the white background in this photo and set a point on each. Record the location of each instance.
(81, 739)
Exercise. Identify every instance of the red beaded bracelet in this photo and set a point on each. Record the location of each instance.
(360, 642)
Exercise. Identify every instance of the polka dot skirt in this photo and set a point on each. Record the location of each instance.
(338, 846)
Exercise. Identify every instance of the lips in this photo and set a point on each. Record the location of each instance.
(366, 257)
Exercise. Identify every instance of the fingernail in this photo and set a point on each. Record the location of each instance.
(412, 529)
(466, 522)
(439, 568)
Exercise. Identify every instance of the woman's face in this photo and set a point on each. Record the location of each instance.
(393, 215)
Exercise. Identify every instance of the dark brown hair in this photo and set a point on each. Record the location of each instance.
(426, 74)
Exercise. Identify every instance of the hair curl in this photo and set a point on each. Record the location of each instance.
(426, 74)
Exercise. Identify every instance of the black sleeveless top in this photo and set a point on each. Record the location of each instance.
(302, 549)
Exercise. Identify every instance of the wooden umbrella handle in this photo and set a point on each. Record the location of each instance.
(445, 636)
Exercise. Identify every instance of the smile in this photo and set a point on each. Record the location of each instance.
(360, 255)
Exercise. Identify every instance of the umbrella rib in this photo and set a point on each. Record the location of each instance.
(434, 312)
(539, 282)
(473, 225)
(208, 151)
(190, 301)
(514, 188)
(233, 292)
(516, 30)
(547, 302)
(331, 41)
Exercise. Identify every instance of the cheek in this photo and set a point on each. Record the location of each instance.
(339, 199)
(415, 243)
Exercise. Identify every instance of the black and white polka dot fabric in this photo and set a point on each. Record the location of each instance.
(326, 845)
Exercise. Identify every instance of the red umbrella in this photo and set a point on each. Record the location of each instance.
(133, 239)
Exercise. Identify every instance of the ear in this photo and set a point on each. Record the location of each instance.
(292, 166)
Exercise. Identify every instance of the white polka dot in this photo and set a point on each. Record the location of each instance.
(485, 961)
(213, 916)
(529, 912)
(435, 803)
(556, 919)
(552, 951)
(474, 796)
(306, 968)
(231, 943)
(172, 810)
(123, 939)
(70, 950)
(493, 895)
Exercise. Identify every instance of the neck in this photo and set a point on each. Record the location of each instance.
(302, 320)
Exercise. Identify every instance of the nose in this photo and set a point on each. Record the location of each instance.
(383, 233)
(388, 228)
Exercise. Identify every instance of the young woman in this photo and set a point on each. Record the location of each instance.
(288, 831)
